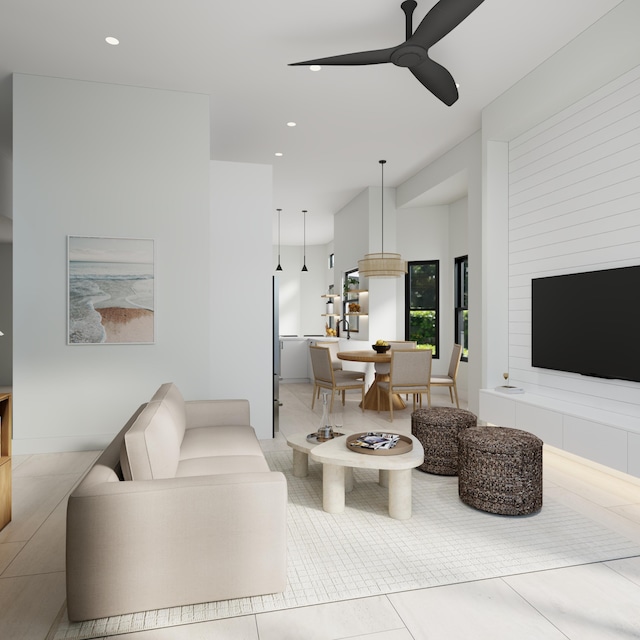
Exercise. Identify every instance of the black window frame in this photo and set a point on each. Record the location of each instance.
(409, 309)
(461, 304)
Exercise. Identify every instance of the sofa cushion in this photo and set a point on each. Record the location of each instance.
(232, 440)
(152, 444)
(218, 465)
(171, 397)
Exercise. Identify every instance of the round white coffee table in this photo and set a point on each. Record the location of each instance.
(301, 449)
(394, 472)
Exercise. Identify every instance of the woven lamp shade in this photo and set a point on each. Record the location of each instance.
(382, 265)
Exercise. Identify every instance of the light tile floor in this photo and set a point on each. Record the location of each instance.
(596, 601)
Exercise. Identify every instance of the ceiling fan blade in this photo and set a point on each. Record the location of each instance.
(445, 16)
(378, 56)
(437, 79)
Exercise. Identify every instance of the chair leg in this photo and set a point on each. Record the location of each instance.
(390, 405)
(313, 397)
(451, 393)
(333, 391)
(429, 397)
(455, 391)
(362, 402)
(343, 394)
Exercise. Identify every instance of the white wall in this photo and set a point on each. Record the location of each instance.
(240, 317)
(574, 197)
(301, 305)
(463, 235)
(107, 160)
(6, 315)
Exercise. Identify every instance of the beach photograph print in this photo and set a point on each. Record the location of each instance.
(111, 290)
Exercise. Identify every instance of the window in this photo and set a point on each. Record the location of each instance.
(461, 302)
(421, 304)
(351, 301)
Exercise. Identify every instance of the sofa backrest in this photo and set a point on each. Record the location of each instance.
(151, 447)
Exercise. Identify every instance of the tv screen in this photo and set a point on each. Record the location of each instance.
(588, 323)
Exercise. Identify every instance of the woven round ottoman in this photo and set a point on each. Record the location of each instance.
(500, 470)
(437, 429)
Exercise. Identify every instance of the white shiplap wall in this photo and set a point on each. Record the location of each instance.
(574, 205)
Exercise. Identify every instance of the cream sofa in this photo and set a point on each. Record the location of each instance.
(180, 508)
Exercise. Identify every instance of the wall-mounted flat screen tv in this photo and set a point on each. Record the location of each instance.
(588, 323)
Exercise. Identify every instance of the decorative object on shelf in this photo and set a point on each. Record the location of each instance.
(382, 265)
(381, 346)
(279, 267)
(354, 307)
(507, 388)
(349, 283)
(330, 306)
(304, 240)
(329, 331)
(379, 444)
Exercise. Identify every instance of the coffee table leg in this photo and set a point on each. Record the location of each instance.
(300, 464)
(400, 494)
(333, 488)
(348, 479)
(383, 478)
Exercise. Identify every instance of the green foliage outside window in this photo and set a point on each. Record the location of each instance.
(422, 329)
(421, 295)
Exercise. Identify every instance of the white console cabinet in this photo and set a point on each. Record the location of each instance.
(611, 440)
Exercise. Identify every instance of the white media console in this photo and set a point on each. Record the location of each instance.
(609, 439)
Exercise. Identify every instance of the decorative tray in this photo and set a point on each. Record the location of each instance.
(369, 440)
(316, 439)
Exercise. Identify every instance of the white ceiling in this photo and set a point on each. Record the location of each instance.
(237, 53)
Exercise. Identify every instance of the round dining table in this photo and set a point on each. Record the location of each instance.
(381, 362)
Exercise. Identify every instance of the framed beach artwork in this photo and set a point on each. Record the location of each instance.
(110, 290)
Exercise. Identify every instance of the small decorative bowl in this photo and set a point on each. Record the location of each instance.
(381, 348)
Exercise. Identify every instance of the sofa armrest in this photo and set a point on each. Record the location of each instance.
(134, 546)
(211, 413)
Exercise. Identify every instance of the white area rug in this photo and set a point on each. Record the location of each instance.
(363, 552)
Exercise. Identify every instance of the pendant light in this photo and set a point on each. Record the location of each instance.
(279, 267)
(304, 240)
(382, 265)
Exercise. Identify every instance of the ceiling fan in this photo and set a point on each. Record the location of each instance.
(414, 52)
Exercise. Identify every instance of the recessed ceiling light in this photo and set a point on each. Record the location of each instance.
(315, 67)
(278, 154)
(112, 40)
(291, 124)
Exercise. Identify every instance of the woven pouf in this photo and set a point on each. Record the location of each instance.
(500, 470)
(437, 430)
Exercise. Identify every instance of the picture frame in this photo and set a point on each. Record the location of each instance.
(110, 290)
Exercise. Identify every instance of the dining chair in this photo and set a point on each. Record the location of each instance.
(333, 347)
(405, 345)
(449, 380)
(410, 372)
(326, 377)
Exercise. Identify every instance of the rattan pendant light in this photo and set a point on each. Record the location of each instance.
(382, 265)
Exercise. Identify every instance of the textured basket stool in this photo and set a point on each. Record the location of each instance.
(438, 429)
(500, 470)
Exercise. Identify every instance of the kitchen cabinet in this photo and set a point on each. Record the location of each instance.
(294, 355)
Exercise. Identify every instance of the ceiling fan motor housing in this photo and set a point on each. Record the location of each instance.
(409, 55)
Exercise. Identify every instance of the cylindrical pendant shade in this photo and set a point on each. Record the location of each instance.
(382, 265)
